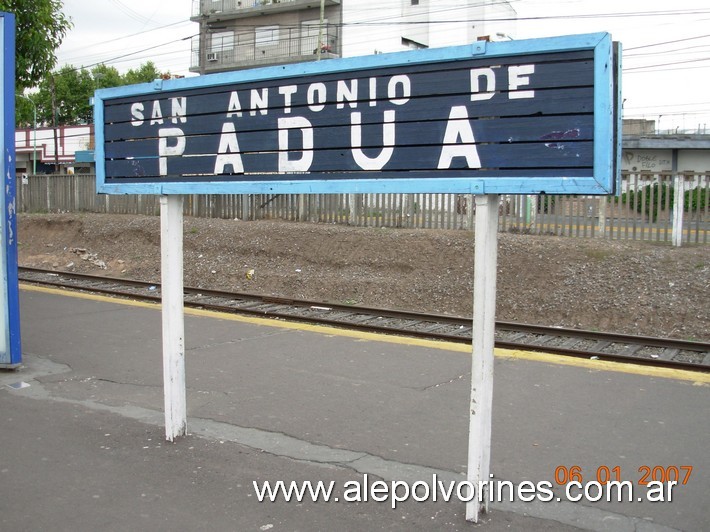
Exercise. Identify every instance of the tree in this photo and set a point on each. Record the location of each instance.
(25, 111)
(146, 73)
(73, 89)
(106, 76)
(40, 29)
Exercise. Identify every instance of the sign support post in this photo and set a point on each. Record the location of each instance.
(171, 245)
(484, 307)
(10, 344)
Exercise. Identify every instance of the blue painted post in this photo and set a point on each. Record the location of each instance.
(10, 346)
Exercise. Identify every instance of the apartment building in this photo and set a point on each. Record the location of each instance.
(239, 34)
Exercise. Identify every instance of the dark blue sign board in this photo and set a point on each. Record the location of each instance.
(10, 345)
(518, 117)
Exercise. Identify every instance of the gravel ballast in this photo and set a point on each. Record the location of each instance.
(620, 286)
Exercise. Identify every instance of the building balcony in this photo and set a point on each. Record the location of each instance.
(241, 53)
(231, 9)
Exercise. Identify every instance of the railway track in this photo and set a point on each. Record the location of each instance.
(570, 342)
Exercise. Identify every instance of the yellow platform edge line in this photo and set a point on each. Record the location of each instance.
(595, 365)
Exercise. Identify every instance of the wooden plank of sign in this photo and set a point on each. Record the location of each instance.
(451, 79)
(340, 163)
(507, 131)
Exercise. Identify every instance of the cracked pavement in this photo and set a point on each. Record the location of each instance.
(266, 403)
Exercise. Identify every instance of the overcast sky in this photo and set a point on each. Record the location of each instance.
(664, 82)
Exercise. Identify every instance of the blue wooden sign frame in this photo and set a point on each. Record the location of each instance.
(514, 117)
(10, 345)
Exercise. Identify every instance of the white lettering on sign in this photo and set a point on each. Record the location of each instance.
(286, 164)
(317, 93)
(517, 77)
(405, 83)
(178, 112)
(288, 91)
(346, 93)
(228, 153)
(137, 114)
(259, 102)
(165, 151)
(235, 107)
(296, 136)
(483, 82)
(388, 141)
(489, 78)
(459, 140)
(156, 116)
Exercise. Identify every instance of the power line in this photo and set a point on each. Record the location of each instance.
(116, 59)
(678, 113)
(106, 56)
(548, 17)
(666, 64)
(133, 35)
(667, 70)
(701, 48)
(130, 13)
(295, 26)
(667, 42)
(672, 105)
(395, 23)
(148, 57)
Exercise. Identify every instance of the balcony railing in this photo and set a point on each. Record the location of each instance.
(293, 47)
(217, 7)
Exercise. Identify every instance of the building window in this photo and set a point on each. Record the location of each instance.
(266, 35)
(222, 41)
(415, 2)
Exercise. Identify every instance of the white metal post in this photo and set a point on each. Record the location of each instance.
(678, 204)
(601, 227)
(531, 202)
(352, 209)
(171, 237)
(484, 307)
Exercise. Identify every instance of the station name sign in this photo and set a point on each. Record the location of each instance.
(516, 117)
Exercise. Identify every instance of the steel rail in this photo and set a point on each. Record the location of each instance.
(510, 335)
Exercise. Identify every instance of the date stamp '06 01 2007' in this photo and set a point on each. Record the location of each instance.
(603, 474)
(608, 482)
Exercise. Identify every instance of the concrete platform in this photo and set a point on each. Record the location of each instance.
(83, 445)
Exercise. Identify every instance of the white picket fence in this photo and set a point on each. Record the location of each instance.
(646, 209)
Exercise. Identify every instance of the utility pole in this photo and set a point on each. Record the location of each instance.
(302, 215)
(320, 28)
(54, 125)
(201, 52)
(34, 132)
